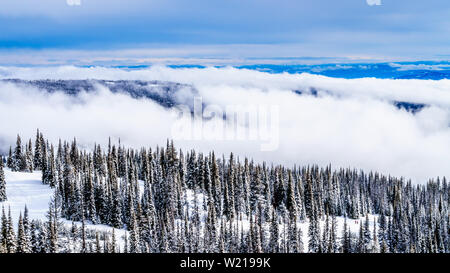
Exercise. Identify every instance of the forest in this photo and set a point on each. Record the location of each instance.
(174, 201)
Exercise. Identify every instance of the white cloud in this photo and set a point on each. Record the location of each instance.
(406, 67)
(350, 124)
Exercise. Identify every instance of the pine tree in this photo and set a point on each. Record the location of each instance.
(113, 242)
(97, 243)
(125, 247)
(52, 227)
(291, 200)
(10, 160)
(375, 243)
(134, 233)
(195, 203)
(83, 236)
(4, 229)
(23, 243)
(29, 157)
(326, 235)
(37, 152)
(274, 234)
(345, 238)
(333, 246)
(11, 242)
(18, 157)
(26, 221)
(34, 238)
(2, 182)
(116, 214)
(314, 244)
(361, 240)
(367, 236)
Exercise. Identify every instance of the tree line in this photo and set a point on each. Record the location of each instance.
(174, 201)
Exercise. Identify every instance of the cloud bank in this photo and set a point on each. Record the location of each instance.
(349, 123)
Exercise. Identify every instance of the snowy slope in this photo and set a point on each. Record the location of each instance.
(352, 224)
(26, 188)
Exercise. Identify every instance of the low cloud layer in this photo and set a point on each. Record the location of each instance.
(350, 123)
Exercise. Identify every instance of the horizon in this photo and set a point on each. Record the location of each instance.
(59, 32)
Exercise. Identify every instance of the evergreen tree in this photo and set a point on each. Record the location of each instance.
(4, 229)
(29, 157)
(367, 236)
(37, 164)
(196, 203)
(345, 238)
(10, 160)
(10, 240)
(314, 244)
(23, 243)
(2, 182)
(274, 234)
(18, 163)
(375, 243)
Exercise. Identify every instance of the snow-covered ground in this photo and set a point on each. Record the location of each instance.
(352, 224)
(27, 188)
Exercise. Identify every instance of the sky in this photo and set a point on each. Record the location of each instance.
(150, 30)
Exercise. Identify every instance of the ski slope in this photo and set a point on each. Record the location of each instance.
(26, 189)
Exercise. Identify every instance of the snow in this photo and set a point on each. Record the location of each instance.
(352, 224)
(26, 188)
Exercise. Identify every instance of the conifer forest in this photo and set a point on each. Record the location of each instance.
(165, 200)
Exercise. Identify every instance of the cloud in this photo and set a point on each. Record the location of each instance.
(406, 67)
(350, 123)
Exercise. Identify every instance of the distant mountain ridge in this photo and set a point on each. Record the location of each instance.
(167, 94)
(164, 93)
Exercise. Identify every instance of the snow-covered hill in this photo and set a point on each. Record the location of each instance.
(24, 188)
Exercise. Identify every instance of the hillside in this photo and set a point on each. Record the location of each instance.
(168, 201)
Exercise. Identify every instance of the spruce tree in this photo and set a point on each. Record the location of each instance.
(345, 243)
(3, 196)
(11, 242)
(23, 243)
(314, 244)
(195, 203)
(113, 242)
(10, 160)
(18, 157)
(274, 234)
(4, 229)
(29, 157)
(37, 164)
(367, 236)
(375, 243)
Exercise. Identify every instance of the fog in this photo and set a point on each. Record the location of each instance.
(349, 123)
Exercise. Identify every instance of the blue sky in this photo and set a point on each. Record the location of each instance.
(235, 29)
